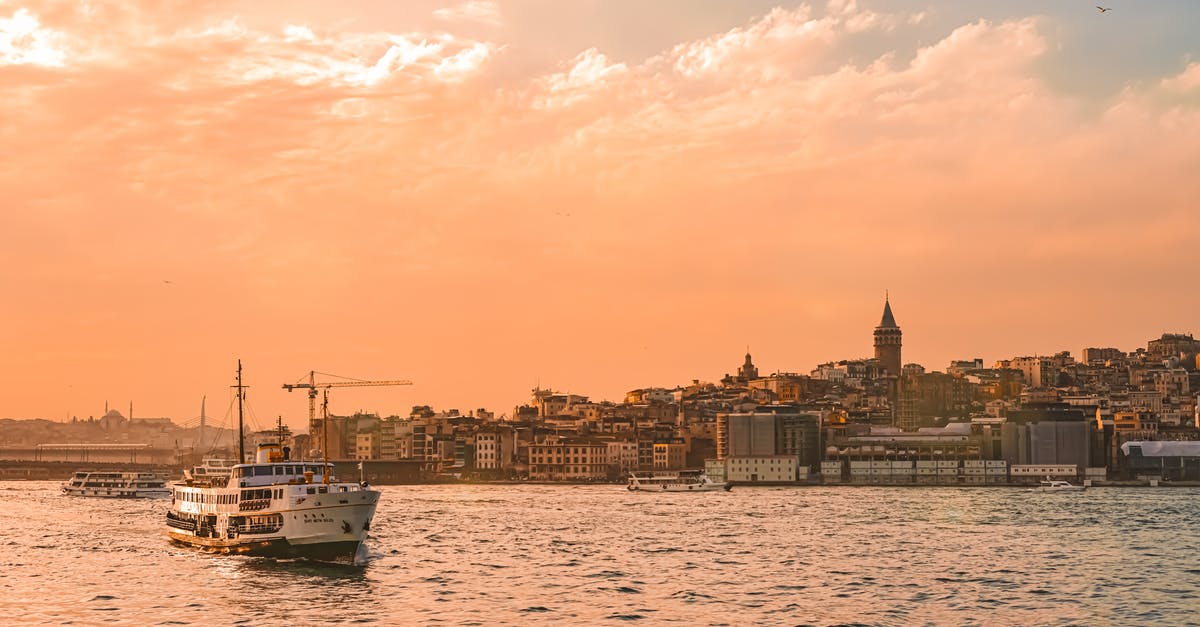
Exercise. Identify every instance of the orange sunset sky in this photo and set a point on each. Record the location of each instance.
(593, 195)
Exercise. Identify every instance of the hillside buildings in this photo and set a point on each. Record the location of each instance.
(1111, 413)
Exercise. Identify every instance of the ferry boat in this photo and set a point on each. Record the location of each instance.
(679, 481)
(117, 484)
(1052, 485)
(210, 469)
(274, 507)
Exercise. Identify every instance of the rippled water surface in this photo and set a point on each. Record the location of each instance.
(598, 554)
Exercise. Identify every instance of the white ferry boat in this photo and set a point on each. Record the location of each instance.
(116, 484)
(211, 469)
(274, 507)
(678, 481)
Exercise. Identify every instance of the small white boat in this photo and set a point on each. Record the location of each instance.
(674, 481)
(1053, 485)
(117, 485)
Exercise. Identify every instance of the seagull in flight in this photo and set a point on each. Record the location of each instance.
(1103, 9)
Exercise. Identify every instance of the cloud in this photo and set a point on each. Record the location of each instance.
(1186, 81)
(480, 11)
(588, 73)
(286, 159)
(23, 40)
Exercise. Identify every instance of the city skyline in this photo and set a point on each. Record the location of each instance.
(479, 196)
(257, 420)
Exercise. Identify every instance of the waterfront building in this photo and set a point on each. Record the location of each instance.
(1035, 473)
(570, 459)
(764, 469)
(1171, 461)
(1048, 434)
(955, 441)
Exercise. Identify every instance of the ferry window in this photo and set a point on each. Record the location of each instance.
(291, 470)
(312, 490)
(279, 470)
(262, 470)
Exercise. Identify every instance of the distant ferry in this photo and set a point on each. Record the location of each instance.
(117, 485)
(679, 481)
(274, 507)
(210, 469)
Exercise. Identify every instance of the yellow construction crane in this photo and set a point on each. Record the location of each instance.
(312, 385)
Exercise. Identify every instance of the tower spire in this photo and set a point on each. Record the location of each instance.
(888, 321)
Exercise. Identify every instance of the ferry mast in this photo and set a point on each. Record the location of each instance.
(241, 394)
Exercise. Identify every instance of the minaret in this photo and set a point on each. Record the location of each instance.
(887, 341)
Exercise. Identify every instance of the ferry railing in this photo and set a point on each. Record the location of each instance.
(254, 504)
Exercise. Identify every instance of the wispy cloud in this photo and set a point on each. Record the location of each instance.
(23, 40)
(264, 159)
(481, 11)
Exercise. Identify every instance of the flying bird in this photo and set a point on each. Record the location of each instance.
(1103, 9)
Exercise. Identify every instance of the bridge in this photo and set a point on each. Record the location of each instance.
(91, 452)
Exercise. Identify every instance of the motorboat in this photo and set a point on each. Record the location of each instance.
(1057, 485)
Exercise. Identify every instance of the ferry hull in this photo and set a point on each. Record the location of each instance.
(323, 533)
(119, 494)
(279, 548)
(711, 487)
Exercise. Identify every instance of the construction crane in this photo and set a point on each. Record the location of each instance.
(312, 385)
